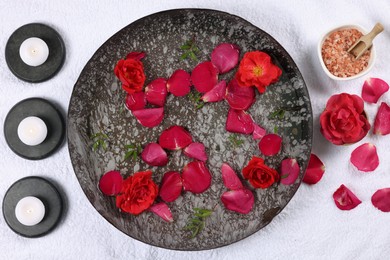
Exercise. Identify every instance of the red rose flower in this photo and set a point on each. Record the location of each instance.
(343, 120)
(256, 69)
(138, 193)
(131, 73)
(259, 174)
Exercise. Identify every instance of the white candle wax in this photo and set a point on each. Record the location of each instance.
(34, 51)
(30, 211)
(32, 130)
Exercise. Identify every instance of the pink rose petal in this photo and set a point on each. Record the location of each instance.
(179, 83)
(110, 183)
(373, 89)
(196, 177)
(135, 101)
(225, 57)
(175, 138)
(149, 117)
(230, 178)
(381, 199)
(365, 157)
(240, 98)
(171, 186)
(270, 144)
(217, 93)
(240, 201)
(345, 199)
(382, 120)
(204, 76)
(258, 132)
(196, 151)
(162, 210)
(156, 92)
(136, 55)
(289, 171)
(239, 121)
(154, 155)
(314, 171)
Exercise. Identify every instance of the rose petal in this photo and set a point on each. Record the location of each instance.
(230, 178)
(204, 76)
(258, 132)
(154, 155)
(110, 183)
(175, 138)
(240, 201)
(381, 199)
(314, 171)
(179, 83)
(149, 117)
(373, 89)
(136, 55)
(156, 92)
(135, 101)
(217, 93)
(196, 177)
(171, 186)
(345, 199)
(239, 121)
(365, 157)
(270, 144)
(382, 120)
(162, 210)
(196, 151)
(289, 171)
(240, 98)
(225, 57)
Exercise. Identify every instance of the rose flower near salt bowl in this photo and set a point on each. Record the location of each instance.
(335, 59)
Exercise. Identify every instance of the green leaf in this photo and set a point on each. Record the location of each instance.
(275, 129)
(196, 224)
(284, 176)
(185, 47)
(193, 56)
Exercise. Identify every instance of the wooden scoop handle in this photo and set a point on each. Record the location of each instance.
(378, 28)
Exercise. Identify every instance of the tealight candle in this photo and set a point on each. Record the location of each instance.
(30, 211)
(34, 51)
(32, 130)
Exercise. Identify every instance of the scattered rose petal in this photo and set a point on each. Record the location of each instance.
(171, 186)
(270, 144)
(110, 183)
(196, 177)
(382, 120)
(196, 151)
(240, 98)
(239, 121)
(314, 171)
(258, 132)
(373, 89)
(381, 199)
(175, 138)
(365, 157)
(289, 171)
(240, 201)
(217, 93)
(204, 76)
(149, 117)
(162, 210)
(179, 83)
(135, 101)
(225, 57)
(230, 178)
(154, 155)
(156, 92)
(345, 199)
(136, 55)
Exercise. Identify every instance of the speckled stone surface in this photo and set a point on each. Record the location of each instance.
(97, 105)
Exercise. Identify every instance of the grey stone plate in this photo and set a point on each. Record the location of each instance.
(97, 105)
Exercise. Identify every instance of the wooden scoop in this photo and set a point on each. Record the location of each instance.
(365, 42)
